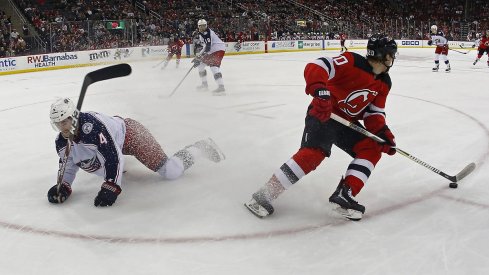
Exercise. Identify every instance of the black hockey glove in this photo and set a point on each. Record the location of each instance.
(64, 193)
(107, 194)
(430, 42)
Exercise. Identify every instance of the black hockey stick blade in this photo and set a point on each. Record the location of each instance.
(113, 71)
(110, 72)
(465, 172)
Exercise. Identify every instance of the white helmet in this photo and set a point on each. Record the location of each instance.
(61, 109)
(434, 29)
(202, 22)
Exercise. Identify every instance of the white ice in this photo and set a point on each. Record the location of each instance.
(414, 224)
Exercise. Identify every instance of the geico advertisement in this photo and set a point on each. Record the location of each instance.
(409, 43)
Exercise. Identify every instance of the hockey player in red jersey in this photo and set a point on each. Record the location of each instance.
(174, 48)
(355, 88)
(483, 47)
(98, 146)
(438, 38)
(343, 37)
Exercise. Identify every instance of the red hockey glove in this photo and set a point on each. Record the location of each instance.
(59, 197)
(321, 105)
(107, 194)
(389, 145)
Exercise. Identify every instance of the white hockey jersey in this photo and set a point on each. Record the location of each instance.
(212, 43)
(97, 148)
(439, 39)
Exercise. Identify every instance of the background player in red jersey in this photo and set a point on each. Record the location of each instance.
(483, 48)
(343, 37)
(174, 48)
(355, 88)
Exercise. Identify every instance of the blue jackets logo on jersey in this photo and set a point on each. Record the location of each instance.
(90, 165)
(87, 128)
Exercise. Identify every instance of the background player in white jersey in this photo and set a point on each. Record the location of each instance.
(211, 55)
(438, 38)
(98, 146)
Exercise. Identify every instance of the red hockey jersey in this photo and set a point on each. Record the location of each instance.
(176, 46)
(357, 93)
(484, 43)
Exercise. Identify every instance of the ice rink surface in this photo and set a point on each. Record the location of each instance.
(414, 223)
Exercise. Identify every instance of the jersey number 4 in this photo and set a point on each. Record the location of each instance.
(102, 138)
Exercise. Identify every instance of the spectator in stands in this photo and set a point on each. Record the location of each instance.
(25, 30)
(14, 35)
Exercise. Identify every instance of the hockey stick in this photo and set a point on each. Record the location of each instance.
(159, 63)
(181, 81)
(454, 179)
(458, 51)
(472, 47)
(110, 72)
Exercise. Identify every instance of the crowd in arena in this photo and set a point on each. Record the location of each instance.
(83, 24)
(12, 42)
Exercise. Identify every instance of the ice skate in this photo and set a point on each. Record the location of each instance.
(219, 91)
(259, 206)
(203, 87)
(344, 204)
(210, 150)
(448, 69)
(435, 69)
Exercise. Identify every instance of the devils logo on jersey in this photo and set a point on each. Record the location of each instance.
(356, 101)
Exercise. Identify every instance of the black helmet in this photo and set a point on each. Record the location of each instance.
(379, 46)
